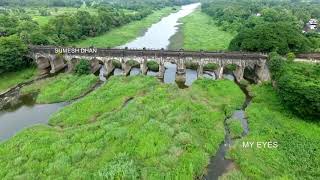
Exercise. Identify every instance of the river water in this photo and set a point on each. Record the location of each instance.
(26, 113)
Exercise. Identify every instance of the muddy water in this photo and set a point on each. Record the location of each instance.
(219, 165)
(158, 35)
(25, 114)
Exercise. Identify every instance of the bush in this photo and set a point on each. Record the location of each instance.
(12, 54)
(291, 56)
(83, 67)
(298, 85)
(153, 66)
(210, 67)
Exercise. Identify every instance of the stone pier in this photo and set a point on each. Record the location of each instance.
(48, 60)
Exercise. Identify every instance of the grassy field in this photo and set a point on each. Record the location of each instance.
(298, 153)
(200, 32)
(64, 87)
(130, 128)
(11, 79)
(124, 34)
(42, 20)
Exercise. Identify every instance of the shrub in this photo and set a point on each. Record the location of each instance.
(83, 67)
(291, 56)
(12, 52)
(153, 66)
(298, 85)
(210, 67)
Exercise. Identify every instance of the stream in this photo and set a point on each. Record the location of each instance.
(26, 113)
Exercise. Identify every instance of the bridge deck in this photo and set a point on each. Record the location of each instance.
(146, 52)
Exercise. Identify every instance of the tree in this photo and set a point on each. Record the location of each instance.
(12, 54)
(83, 67)
(267, 37)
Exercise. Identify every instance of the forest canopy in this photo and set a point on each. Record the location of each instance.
(267, 25)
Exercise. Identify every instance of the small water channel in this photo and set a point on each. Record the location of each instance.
(219, 165)
(26, 113)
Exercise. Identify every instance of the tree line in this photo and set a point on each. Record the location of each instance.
(267, 25)
(18, 29)
(297, 84)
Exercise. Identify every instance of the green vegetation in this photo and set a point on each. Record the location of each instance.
(64, 87)
(267, 25)
(162, 132)
(82, 68)
(297, 155)
(201, 32)
(153, 66)
(11, 79)
(210, 67)
(235, 128)
(12, 50)
(298, 85)
(122, 35)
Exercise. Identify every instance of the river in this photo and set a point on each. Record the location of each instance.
(26, 113)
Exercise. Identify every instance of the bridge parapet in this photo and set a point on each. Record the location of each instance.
(105, 55)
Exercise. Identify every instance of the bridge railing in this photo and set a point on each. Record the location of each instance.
(153, 52)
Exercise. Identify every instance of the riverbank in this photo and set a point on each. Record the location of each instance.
(63, 87)
(297, 153)
(126, 33)
(199, 31)
(10, 79)
(131, 127)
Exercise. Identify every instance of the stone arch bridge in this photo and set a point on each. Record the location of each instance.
(54, 59)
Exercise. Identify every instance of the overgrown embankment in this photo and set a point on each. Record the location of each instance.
(297, 154)
(63, 87)
(199, 31)
(121, 35)
(163, 131)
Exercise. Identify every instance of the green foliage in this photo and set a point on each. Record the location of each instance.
(10, 79)
(199, 31)
(298, 85)
(291, 56)
(153, 66)
(121, 35)
(164, 132)
(12, 52)
(231, 67)
(281, 37)
(116, 64)
(191, 65)
(210, 67)
(64, 87)
(121, 167)
(235, 128)
(83, 67)
(266, 26)
(297, 153)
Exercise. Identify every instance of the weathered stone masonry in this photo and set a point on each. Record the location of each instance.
(48, 61)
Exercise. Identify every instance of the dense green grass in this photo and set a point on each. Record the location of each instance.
(200, 32)
(42, 20)
(235, 128)
(163, 133)
(298, 153)
(11, 79)
(63, 87)
(124, 34)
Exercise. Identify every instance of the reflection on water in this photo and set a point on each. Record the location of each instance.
(134, 71)
(191, 76)
(24, 115)
(158, 35)
(117, 72)
(170, 73)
